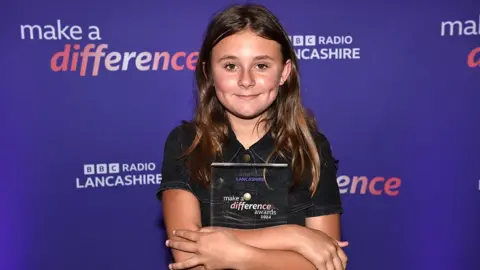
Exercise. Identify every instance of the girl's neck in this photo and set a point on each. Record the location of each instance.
(247, 131)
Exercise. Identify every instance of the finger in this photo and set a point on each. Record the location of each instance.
(337, 262)
(207, 229)
(342, 244)
(187, 234)
(182, 245)
(187, 264)
(330, 266)
(343, 257)
(322, 266)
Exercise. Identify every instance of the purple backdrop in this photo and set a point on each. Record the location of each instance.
(81, 147)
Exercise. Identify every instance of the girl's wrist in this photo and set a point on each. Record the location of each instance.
(246, 255)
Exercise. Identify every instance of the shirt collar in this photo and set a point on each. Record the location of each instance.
(233, 147)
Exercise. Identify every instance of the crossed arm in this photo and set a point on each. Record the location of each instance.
(271, 248)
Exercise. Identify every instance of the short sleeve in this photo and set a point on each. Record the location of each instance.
(326, 199)
(174, 171)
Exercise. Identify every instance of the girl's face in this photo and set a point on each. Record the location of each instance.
(247, 71)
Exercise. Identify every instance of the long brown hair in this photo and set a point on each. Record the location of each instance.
(291, 125)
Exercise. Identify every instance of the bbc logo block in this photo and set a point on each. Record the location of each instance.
(113, 168)
(297, 40)
(308, 40)
(103, 168)
(89, 169)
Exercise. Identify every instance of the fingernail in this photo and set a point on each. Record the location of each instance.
(166, 243)
(170, 267)
(173, 232)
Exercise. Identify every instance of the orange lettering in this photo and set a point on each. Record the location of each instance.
(376, 186)
(371, 186)
(392, 183)
(64, 56)
(192, 60)
(158, 57)
(175, 57)
(471, 58)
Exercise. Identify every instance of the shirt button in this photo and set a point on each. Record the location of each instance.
(246, 157)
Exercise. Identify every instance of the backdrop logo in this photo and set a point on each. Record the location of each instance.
(324, 47)
(108, 175)
(378, 185)
(466, 28)
(90, 57)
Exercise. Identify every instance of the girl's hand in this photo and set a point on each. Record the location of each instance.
(214, 249)
(321, 250)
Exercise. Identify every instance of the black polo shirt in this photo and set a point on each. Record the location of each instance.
(247, 207)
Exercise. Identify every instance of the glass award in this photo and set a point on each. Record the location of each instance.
(248, 195)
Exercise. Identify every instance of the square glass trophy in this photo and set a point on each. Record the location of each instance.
(248, 195)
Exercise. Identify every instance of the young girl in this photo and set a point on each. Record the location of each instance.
(249, 110)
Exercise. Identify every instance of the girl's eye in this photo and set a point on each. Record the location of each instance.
(262, 66)
(230, 66)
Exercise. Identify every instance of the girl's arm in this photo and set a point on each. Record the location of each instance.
(182, 212)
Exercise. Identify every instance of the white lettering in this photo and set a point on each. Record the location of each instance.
(230, 198)
(328, 53)
(139, 167)
(127, 56)
(143, 59)
(78, 183)
(459, 28)
(335, 40)
(51, 32)
(32, 35)
(94, 33)
(116, 181)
